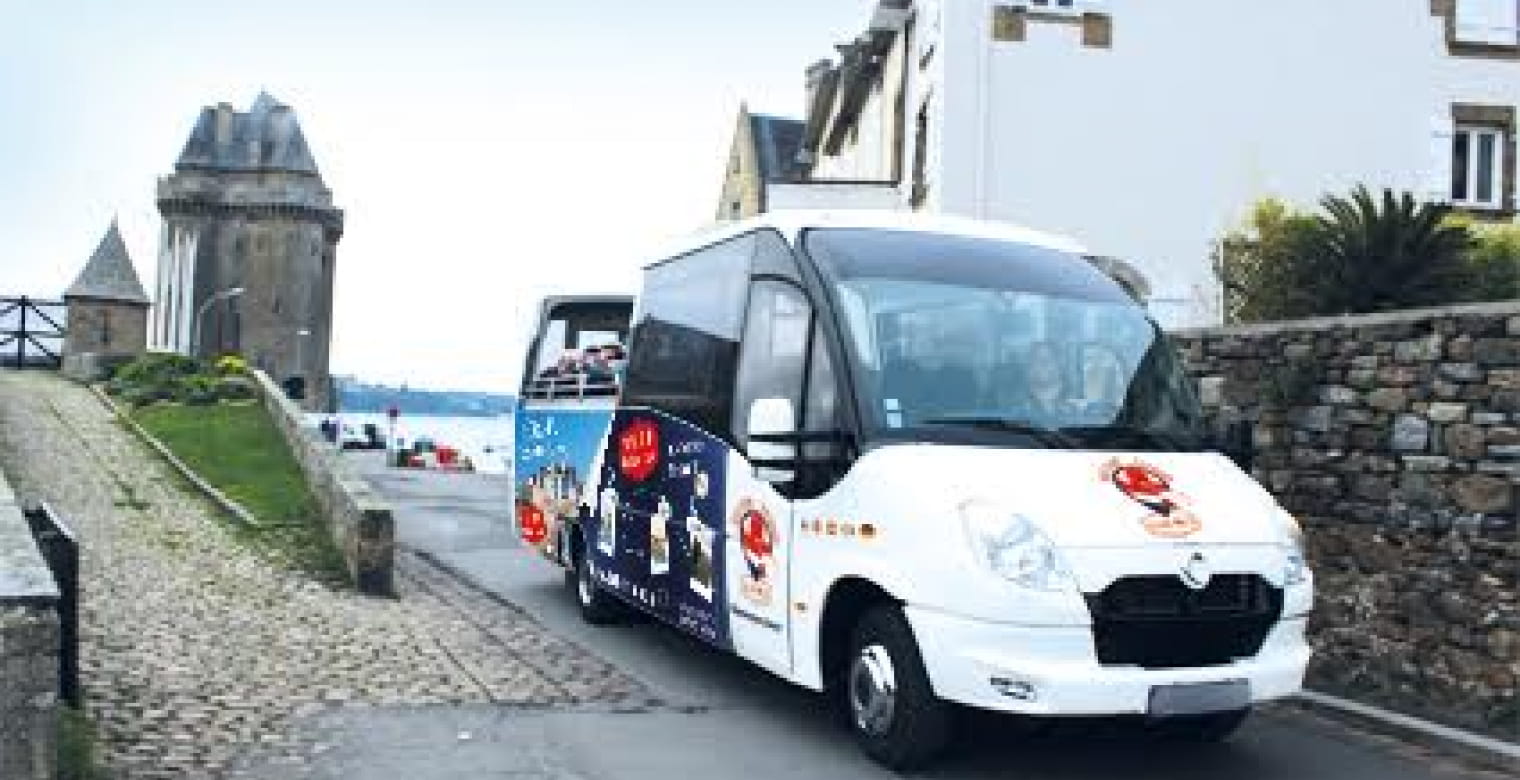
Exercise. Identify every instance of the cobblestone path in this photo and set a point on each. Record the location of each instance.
(197, 652)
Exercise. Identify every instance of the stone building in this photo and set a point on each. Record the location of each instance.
(107, 311)
(765, 152)
(248, 248)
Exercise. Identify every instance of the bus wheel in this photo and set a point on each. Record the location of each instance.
(597, 606)
(893, 711)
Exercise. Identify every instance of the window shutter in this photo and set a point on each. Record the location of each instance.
(1488, 21)
(1437, 187)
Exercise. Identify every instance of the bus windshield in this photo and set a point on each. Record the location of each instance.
(965, 339)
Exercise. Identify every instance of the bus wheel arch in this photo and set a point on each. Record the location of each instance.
(848, 600)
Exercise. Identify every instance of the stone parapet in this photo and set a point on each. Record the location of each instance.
(29, 649)
(360, 521)
(1395, 439)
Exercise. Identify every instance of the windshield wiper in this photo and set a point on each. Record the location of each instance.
(1154, 437)
(1050, 437)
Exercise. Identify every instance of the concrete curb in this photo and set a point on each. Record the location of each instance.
(1491, 753)
(237, 511)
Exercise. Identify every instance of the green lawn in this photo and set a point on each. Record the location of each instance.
(236, 447)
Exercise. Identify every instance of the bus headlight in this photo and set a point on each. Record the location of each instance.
(1013, 547)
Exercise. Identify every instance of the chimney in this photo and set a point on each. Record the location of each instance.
(814, 75)
(281, 121)
(223, 123)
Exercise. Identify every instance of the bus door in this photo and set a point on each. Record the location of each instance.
(784, 371)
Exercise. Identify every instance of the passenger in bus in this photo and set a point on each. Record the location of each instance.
(1046, 398)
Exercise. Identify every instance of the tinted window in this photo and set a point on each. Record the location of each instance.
(685, 344)
(953, 338)
(703, 290)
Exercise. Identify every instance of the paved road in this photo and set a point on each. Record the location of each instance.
(723, 719)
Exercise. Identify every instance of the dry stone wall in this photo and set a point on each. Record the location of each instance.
(1395, 439)
(28, 650)
(360, 521)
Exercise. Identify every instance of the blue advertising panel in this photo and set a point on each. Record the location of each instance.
(556, 452)
(656, 531)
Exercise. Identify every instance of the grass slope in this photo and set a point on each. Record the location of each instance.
(236, 447)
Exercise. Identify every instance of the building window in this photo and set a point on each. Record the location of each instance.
(1480, 27)
(1477, 167)
(1477, 159)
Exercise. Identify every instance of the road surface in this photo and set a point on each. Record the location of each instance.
(721, 718)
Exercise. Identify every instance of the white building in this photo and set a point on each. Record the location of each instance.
(1148, 129)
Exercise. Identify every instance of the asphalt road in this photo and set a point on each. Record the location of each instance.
(725, 719)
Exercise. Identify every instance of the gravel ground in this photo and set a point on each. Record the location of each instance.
(199, 656)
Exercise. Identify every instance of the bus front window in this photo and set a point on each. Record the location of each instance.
(951, 334)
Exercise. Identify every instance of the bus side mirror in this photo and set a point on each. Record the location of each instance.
(772, 432)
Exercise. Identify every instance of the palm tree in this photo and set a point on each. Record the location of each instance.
(1368, 255)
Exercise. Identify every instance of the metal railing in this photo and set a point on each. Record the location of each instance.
(25, 323)
(60, 548)
(575, 387)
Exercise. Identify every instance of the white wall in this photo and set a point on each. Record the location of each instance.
(822, 195)
(1149, 150)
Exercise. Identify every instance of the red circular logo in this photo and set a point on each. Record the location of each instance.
(1139, 481)
(755, 534)
(532, 524)
(639, 450)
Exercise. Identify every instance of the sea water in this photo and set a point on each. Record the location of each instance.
(486, 440)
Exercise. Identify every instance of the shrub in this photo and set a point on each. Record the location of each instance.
(1494, 260)
(157, 368)
(236, 388)
(231, 365)
(1362, 254)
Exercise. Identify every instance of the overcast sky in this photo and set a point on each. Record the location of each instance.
(485, 152)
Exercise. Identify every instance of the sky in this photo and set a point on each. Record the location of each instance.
(485, 152)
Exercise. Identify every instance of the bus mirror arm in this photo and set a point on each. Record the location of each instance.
(1237, 441)
(772, 449)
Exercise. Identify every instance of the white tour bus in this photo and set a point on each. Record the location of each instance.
(915, 464)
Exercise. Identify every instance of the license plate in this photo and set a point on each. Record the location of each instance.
(1199, 698)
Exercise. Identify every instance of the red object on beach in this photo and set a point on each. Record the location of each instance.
(447, 456)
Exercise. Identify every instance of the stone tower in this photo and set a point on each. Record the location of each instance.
(248, 248)
(107, 312)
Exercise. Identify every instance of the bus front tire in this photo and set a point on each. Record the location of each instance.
(597, 606)
(892, 710)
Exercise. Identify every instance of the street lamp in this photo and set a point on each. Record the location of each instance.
(200, 314)
(301, 351)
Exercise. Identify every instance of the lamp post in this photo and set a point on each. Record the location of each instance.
(301, 335)
(200, 315)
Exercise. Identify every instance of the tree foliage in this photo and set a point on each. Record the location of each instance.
(1362, 253)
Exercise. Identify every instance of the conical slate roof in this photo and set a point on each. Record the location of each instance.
(265, 137)
(109, 276)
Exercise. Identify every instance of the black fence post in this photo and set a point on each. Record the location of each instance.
(21, 340)
(60, 548)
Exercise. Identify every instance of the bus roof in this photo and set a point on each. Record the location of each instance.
(791, 224)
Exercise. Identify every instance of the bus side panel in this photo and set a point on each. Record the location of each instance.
(657, 526)
(558, 450)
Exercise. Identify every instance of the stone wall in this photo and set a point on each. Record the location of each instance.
(360, 521)
(1395, 439)
(28, 650)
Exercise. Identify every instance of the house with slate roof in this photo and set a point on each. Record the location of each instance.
(107, 311)
(1146, 130)
(247, 210)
